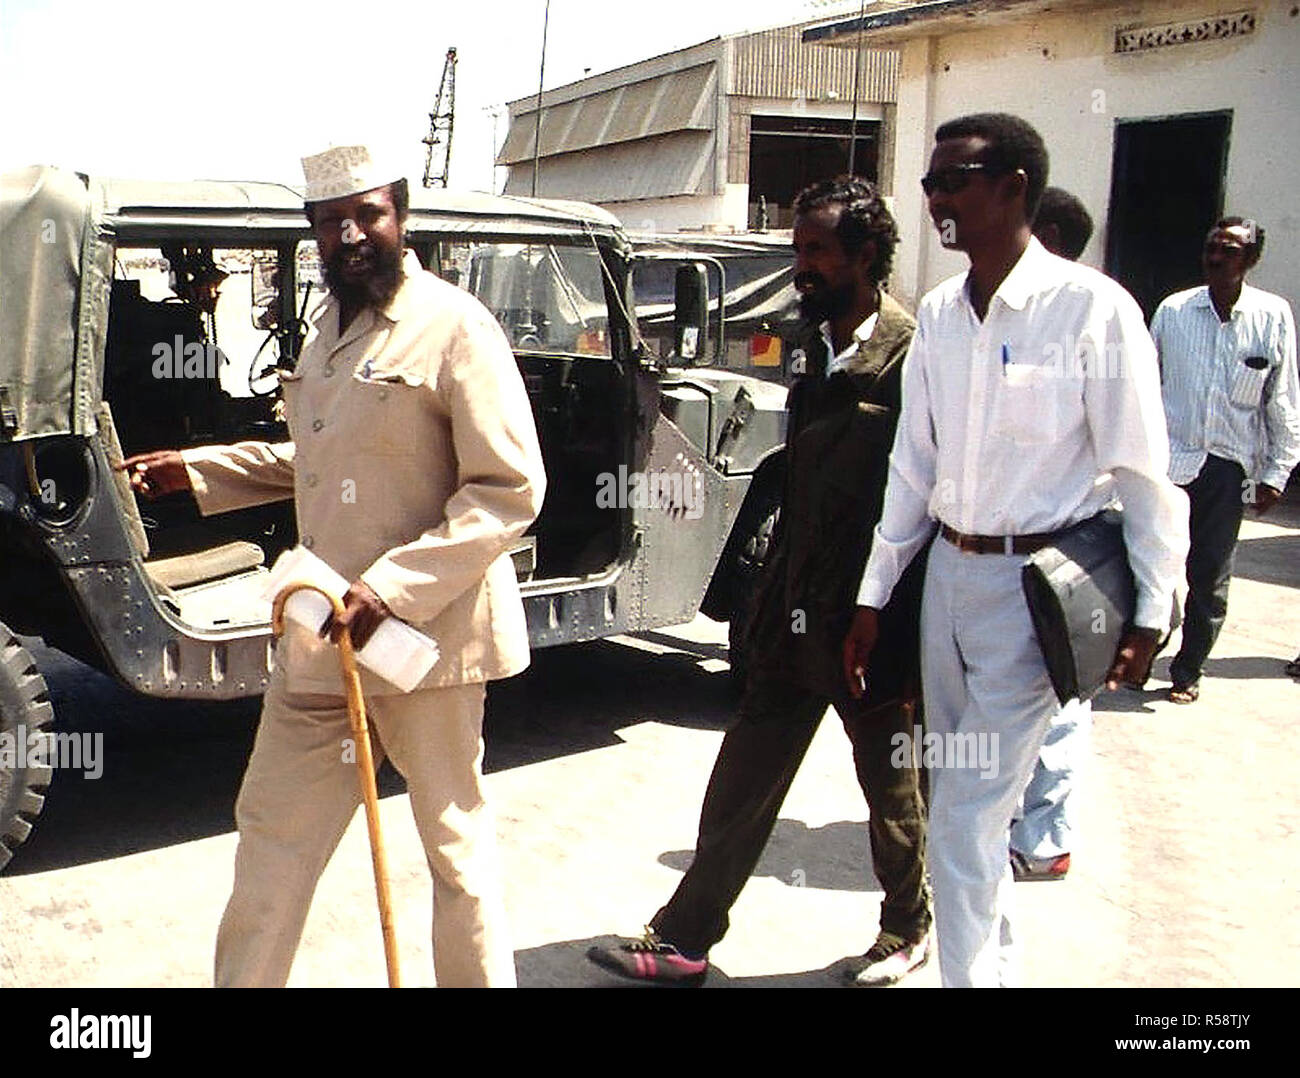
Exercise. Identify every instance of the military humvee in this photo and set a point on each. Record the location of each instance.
(139, 315)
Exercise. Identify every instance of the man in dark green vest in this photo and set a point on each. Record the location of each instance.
(843, 407)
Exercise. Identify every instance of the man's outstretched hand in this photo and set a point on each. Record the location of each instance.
(363, 610)
(156, 474)
(1132, 665)
(858, 645)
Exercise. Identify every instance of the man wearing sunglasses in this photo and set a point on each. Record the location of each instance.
(1041, 832)
(1228, 368)
(1030, 399)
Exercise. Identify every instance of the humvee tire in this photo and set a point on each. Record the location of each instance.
(25, 710)
(757, 527)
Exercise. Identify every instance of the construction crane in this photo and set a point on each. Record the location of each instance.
(441, 121)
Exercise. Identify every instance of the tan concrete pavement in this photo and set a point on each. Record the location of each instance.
(1187, 870)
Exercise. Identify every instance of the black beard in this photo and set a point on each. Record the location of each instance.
(825, 304)
(377, 290)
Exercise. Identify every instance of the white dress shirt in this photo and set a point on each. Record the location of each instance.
(1031, 421)
(1230, 387)
(860, 336)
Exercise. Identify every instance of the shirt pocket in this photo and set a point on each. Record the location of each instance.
(385, 411)
(1031, 405)
(1246, 386)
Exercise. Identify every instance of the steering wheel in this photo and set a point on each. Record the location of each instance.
(264, 382)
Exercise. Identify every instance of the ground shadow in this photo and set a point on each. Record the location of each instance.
(1240, 667)
(171, 770)
(708, 651)
(834, 857)
(1269, 559)
(576, 698)
(1137, 701)
(1129, 701)
(1252, 667)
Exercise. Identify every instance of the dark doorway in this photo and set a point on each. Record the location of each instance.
(1166, 192)
(787, 153)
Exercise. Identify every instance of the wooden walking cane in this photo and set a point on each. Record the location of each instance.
(365, 767)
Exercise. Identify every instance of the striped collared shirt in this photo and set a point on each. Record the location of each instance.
(1230, 388)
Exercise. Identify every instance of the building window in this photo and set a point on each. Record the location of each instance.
(787, 153)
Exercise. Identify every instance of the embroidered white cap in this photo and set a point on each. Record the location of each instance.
(344, 170)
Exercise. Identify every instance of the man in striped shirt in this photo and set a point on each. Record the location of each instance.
(1228, 375)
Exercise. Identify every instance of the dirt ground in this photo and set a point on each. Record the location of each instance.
(1187, 870)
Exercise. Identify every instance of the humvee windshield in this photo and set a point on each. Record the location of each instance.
(196, 334)
(547, 297)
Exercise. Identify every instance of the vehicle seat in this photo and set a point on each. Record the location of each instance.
(186, 570)
(183, 570)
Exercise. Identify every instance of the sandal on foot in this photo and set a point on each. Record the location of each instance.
(1185, 694)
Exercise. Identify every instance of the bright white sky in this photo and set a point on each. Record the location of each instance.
(244, 88)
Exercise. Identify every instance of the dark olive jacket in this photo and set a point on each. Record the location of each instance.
(841, 430)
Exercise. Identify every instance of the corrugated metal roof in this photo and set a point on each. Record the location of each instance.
(777, 63)
(679, 101)
(556, 125)
(679, 163)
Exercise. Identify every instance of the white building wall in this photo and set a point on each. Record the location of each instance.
(1059, 71)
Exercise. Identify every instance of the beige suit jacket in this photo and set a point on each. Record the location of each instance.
(414, 464)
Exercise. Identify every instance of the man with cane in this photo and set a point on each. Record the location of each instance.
(414, 464)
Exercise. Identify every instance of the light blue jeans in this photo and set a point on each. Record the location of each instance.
(985, 686)
(1045, 821)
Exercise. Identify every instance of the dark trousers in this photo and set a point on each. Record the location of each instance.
(1217, 496)
(755, 767)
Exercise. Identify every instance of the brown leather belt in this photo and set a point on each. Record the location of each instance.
(997, 544)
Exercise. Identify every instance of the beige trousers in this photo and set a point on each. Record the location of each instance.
(298, 796)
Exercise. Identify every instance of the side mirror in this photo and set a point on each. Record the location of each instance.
(690, 310)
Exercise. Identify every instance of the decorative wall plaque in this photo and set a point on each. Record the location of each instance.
(1214, 28)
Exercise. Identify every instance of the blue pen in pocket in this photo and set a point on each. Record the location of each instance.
(1006, 358)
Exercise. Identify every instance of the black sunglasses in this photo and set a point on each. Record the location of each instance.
(1222, 247)
(952, 179)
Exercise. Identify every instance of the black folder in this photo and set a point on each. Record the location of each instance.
(1081, 598)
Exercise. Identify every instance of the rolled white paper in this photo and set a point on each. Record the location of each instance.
(396, 652)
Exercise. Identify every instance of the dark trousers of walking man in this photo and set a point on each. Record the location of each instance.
(841, 427)
(752, 775)
(1218, 499)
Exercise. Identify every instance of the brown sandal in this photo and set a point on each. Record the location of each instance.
(1185, 694)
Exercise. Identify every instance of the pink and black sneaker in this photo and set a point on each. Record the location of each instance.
(650, 959)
